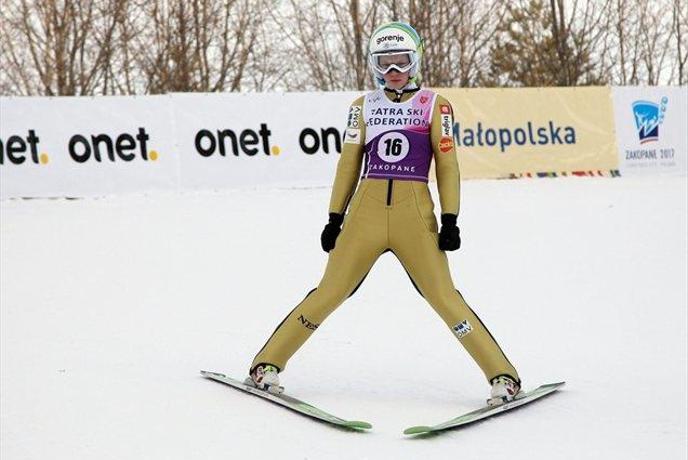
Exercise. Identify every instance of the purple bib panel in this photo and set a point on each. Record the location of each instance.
(397, 143)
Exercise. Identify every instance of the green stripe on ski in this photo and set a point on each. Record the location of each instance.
(358, 425)
(486, 412)
(289, 402)
(321, 414)
(418, 430)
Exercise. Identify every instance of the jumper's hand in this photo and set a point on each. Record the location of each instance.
(331, 231)
(449, 239)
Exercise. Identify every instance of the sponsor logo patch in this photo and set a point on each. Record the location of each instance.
(462, 329)
(308, 325)
(446, 144)
(444, 108)
(354, 116)
(446, 124)
(648, 116)
(352, 136)
(528, 134)
(390, 38)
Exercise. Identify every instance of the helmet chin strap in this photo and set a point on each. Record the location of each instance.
(410, 87)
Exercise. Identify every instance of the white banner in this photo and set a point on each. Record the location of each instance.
(652, 129)
(227, 140)
(83, 146)
(89, 146)
(86, 146)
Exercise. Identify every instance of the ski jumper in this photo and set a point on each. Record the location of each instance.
(392, 211)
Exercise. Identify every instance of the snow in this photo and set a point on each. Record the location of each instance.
(111, 306)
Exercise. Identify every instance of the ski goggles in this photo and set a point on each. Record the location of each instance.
(401, 61)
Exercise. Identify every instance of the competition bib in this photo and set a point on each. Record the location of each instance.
(397, 143)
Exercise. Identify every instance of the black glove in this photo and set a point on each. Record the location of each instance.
(449, 239)
(331, 231)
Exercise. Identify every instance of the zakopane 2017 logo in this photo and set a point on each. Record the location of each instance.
(648, 116)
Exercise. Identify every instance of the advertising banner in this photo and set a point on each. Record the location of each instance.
(652, 129)
(228, 140)
(502, 133)
(83, 146)
(90, 146)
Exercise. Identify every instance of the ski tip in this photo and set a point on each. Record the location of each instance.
(417, 430)
(556, 385)
(210, 374)
(359, 425)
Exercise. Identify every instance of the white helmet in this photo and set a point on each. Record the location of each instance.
(395, 38)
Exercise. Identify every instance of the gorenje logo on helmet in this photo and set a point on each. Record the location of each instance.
(389, 38)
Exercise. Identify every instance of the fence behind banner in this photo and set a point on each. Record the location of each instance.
(91, 146)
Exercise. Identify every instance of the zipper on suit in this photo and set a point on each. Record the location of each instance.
(390, 182)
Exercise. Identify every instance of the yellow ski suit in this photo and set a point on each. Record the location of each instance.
(390, 213)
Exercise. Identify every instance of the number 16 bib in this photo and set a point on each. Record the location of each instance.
(397, 143)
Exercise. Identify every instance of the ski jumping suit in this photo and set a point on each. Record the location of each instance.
(392, 210)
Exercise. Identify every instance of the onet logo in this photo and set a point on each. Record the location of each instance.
(103, 147)
(81, 149)
(648, 116)
(228, 141)
(17, 147)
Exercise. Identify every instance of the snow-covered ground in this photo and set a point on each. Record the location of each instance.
(109, 308)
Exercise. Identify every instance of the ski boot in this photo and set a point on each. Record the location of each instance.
(504, 389)
(265, 377)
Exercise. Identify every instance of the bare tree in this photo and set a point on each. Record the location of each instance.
(326, 43)
(625, 43)
(266, 69)
(197, 45)
(332, 38)
(456, 34)
(540, 44)
(576, 37)
(524, 52)
(474, 31)
(654, 37)
(64, 49)
(639, 42)
(679, 13)
(124, 74)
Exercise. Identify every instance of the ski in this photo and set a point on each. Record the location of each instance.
(289, 402)
(488, 411)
